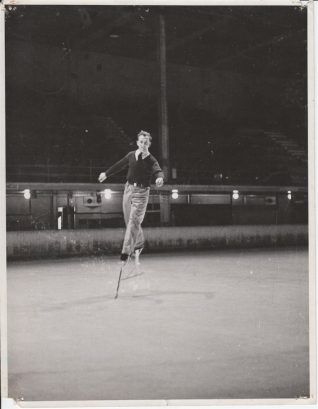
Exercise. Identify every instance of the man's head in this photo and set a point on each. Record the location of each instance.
(144, 141)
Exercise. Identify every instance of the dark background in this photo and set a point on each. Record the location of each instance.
(81, 81)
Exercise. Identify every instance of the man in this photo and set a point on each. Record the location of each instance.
(142, 166)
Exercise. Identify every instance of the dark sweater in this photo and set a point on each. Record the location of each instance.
(139, 172)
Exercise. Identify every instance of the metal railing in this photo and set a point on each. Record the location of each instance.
(55, 173)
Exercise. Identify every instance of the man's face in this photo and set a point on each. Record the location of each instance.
(143, 143)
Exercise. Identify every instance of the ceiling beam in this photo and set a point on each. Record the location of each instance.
(184, 40)
(243, 53)
(107, 29)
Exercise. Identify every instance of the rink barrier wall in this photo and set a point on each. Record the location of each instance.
(69, 243)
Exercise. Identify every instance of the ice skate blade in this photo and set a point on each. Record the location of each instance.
(132, 276)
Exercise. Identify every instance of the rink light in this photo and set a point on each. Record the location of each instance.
(107, 194)
(27, 194)
(175, 194)
(235, 194)
(289, 195)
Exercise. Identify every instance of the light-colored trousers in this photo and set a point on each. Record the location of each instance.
(135, 201)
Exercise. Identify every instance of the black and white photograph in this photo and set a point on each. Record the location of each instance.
(158, 196)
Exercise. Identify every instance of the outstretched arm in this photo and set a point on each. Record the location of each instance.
(158, 174)
(117, 167)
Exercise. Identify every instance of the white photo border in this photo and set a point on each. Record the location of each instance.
(312, 7)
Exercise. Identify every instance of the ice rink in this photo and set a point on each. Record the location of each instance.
(230, 324)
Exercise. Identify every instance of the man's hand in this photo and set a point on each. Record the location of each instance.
(159, 182)
(102, 177)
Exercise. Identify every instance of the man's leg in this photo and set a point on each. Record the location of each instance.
(139, 243)
(127, 202)
(139, 201)
(126, 210)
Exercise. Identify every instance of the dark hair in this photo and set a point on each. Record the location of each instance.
(144, 133)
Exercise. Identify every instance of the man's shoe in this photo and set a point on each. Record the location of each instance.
(124, 257)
